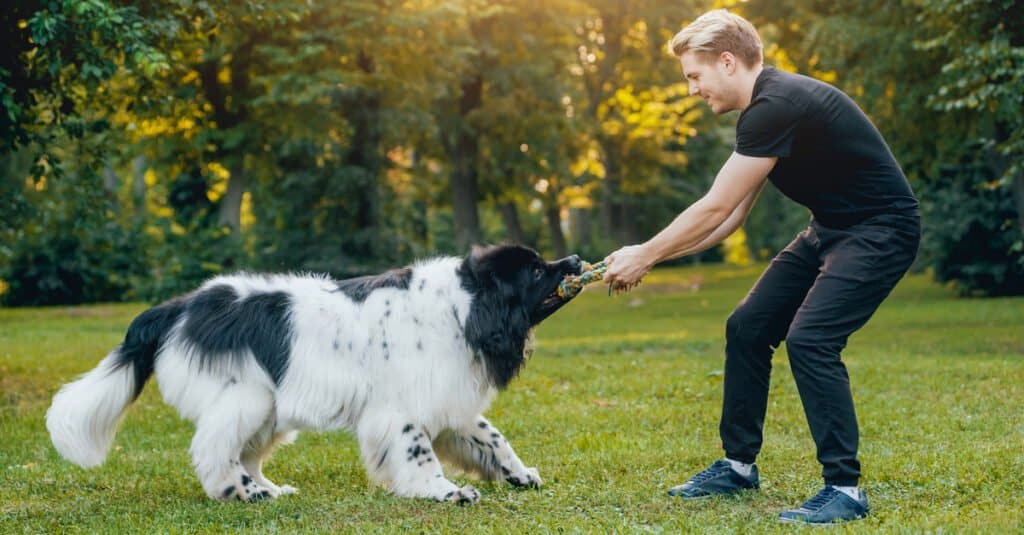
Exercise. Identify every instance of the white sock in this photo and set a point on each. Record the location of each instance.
(742, 468)
(852, 492)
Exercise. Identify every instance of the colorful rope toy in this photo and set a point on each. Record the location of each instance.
(573, 284)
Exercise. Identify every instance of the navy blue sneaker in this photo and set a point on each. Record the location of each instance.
(718, 480)
(829, 506)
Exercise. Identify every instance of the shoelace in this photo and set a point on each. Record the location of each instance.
(712, 471)
(821, 499)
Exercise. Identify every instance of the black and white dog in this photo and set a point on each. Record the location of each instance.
(408, 361)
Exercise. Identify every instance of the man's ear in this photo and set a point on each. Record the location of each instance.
(728, 61)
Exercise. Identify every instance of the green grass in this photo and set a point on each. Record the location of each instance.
(620, 402)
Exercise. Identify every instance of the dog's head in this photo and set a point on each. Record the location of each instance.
(513, 290)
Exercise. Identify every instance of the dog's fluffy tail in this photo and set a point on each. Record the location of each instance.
(85, 413)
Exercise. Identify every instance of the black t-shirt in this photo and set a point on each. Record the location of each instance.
(831, 159)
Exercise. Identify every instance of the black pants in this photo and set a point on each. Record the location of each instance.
(816, 292)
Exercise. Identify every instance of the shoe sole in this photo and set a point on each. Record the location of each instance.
(818, 524)
(736, 494)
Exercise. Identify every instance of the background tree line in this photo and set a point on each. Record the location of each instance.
(149, 145)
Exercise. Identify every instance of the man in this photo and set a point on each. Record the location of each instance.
(817, 147)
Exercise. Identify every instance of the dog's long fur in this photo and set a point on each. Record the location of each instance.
(408, 361)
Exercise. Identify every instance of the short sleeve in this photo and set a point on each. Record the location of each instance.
(767, 127)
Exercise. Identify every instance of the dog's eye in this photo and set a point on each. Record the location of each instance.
(538, 273)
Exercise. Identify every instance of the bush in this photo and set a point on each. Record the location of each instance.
(182, 258)
(970, 232)
(63, 268)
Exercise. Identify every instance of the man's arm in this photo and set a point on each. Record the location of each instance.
(735, 220)
(739, 179)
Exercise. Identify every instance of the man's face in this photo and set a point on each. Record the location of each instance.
(709, 78)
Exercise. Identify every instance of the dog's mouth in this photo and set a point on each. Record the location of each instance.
(552, 302)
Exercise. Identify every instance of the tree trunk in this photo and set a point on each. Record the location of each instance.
(464, 198)
(600, 84)
(580, 227)
(230, 111)
(553, 215)
(139, 186)
(612, 211)
(629, 232)
(1018, 198)
(366, 154)
(111, 182)
(465, 191)
(513, 228)
(231, 203)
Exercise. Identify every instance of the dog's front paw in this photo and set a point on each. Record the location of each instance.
(249, 491)
(529, 478)
(464, 496)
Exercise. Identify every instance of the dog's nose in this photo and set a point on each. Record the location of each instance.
(574, 262)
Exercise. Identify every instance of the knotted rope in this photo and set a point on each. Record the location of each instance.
(573, 284)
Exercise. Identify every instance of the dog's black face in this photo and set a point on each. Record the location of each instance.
(513, 289)
(523, 278)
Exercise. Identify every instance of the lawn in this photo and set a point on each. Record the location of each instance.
(620, 401)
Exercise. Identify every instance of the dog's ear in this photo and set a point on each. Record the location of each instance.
(487, 268)
(477, 263)
(497, 330)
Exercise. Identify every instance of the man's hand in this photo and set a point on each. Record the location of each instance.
(626, 267)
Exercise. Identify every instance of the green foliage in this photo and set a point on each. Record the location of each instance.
(620, 401)
(981, 241)
(185, 256)
(974, 250)
(774, 221)
(334, 136)
(58, 49)
(69, 251)
(315, 218)
(68, 268)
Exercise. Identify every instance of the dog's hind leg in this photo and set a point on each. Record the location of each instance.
(259, 448)
(222, 431)
(399, 456)
(479, 447)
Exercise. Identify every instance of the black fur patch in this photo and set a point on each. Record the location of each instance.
(143, 339)
(219, 325)
(359, 288)
(416, 450)
(511, 289)
(497, 326)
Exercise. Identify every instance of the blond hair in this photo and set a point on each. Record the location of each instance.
(720, 31)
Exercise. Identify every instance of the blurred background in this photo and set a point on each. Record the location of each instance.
(146, 146)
